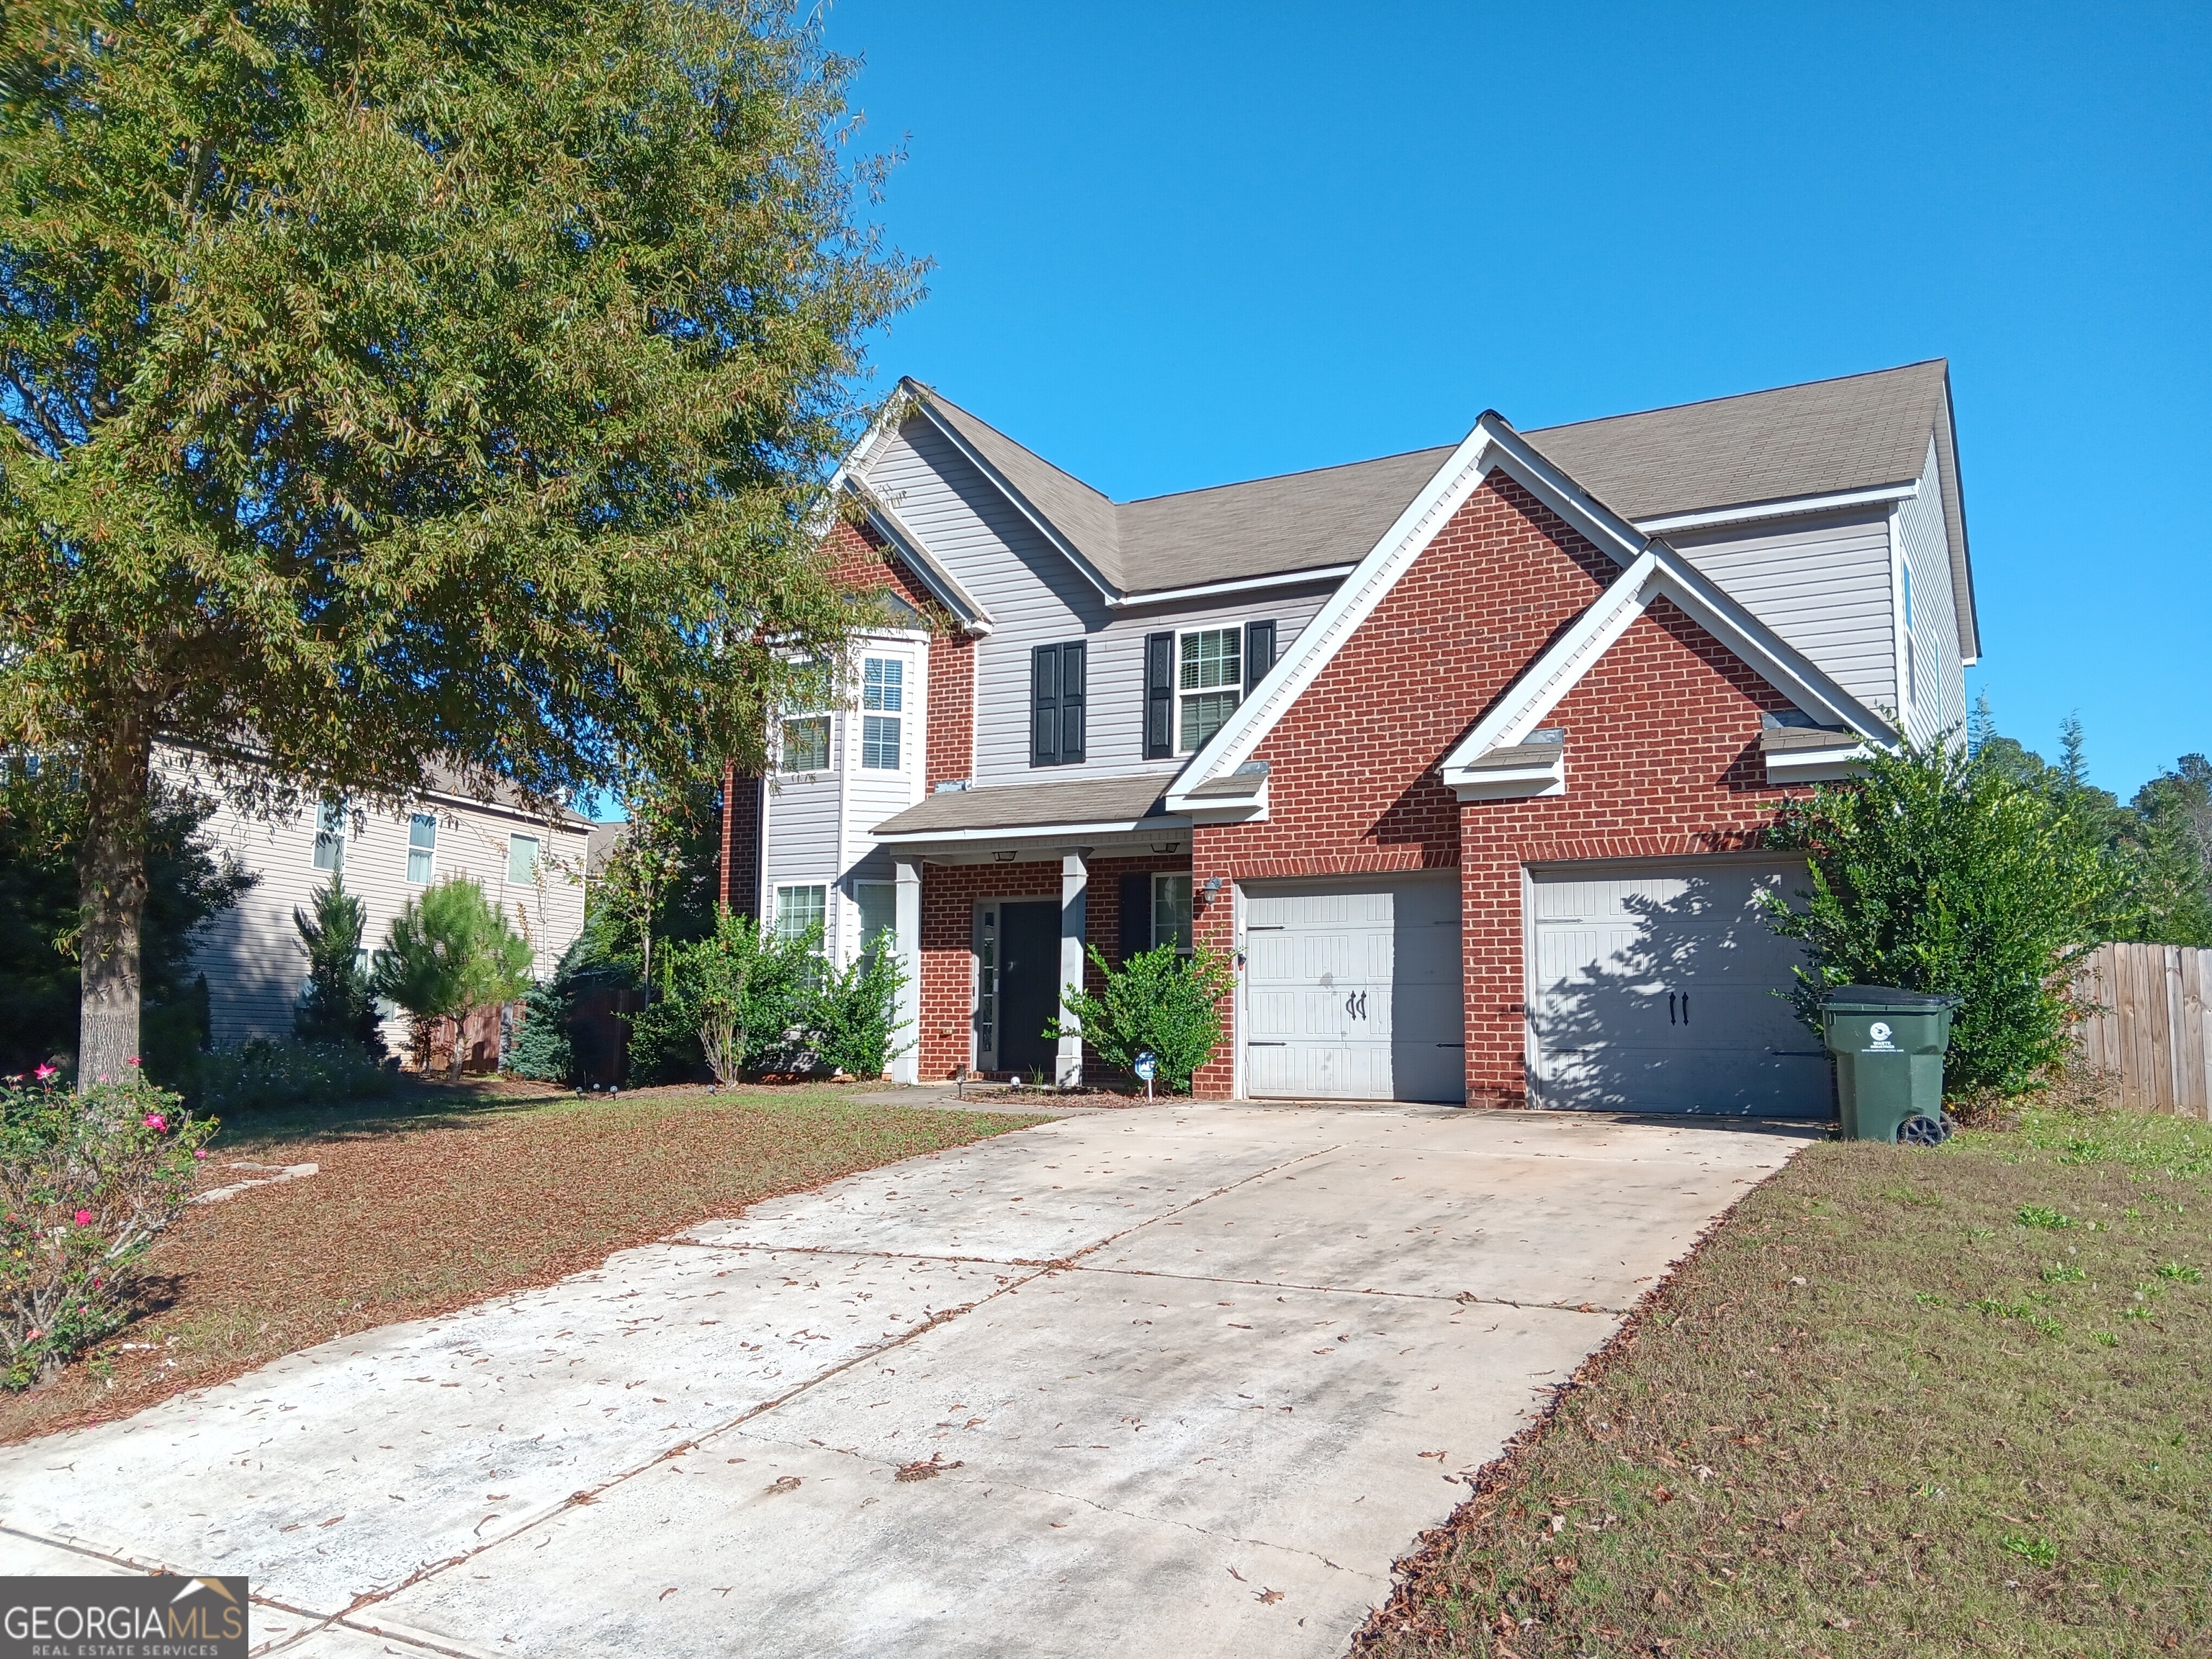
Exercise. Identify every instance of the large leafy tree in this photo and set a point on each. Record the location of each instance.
(395, 384)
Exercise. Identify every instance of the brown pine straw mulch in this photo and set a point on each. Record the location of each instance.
(411, 1215)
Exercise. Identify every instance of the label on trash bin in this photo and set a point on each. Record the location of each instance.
(1878, 1031)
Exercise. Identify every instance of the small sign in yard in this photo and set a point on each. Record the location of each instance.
(1147, 1067)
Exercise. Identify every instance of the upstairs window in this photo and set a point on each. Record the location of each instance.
(329, 837)
(522, 858)
(806, 744)
(883, 688)
(422, 848)
(1209, 682)
(1058, 698)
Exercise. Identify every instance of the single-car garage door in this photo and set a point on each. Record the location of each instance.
(1655, 992)
(1352, 992)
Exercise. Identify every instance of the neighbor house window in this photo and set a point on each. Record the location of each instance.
(883, 690)
(329, 837)
(806, 744)
(422, 848)
(522, 858)
(1171, 912)
(799, 911)
(1912, 656)
(1209, 678)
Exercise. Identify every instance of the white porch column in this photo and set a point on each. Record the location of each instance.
(1074, 884)
(906, 934)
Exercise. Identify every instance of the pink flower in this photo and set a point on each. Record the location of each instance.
(200, 1152)
(43, 1073)
(134, 1060)
(84, 1217)
(157, 1122)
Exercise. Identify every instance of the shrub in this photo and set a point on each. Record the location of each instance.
(261, 1075)
(1158, 1000)
(742, 990)
(853, 1016)
(1934, 871)
(339, 1006)
(86, 1182)
(448, 951)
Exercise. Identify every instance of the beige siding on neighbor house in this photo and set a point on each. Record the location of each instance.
(252, 955)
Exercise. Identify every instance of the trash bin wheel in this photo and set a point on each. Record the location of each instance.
(1924, 1131)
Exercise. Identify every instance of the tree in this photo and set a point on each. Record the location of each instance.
(189, 883)
(339, 1007)
(1934, 872)
(1157, 1002)
(450, 952)
(397, 385)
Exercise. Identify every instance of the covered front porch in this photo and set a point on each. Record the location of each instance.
(999, 893)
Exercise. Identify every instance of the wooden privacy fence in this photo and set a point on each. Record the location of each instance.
(2149, 1038)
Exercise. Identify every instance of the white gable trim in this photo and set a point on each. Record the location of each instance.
(1019, 501)
(1788, 507)
(1660, 573)
(1492, 444)
(974, 618)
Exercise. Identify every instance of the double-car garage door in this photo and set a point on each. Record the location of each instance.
(1651, 989)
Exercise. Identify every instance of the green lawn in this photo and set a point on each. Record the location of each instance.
(1901, 1402)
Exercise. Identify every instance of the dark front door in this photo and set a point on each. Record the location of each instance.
(1029, 981)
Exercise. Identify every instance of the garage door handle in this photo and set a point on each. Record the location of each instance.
(1363, 1005)
(1670, 1008)
(1686, 1007)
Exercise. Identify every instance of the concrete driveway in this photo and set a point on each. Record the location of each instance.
(1169, 1380)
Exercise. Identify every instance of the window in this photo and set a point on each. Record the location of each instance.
(422, 848)
(880, 742)
(329, 837)
(986, 985)
(1057, 701)
(883, 684)
(522, 858)
(1912, 656)
(806, 744)
(878, 902)
(882, 687)
(1908, 599)
(1209, 678)
(799, 911)
(1171, 912)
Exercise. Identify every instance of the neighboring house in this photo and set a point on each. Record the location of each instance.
(255, 964)
(1465, 753)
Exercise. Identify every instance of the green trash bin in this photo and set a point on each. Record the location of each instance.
(1888, 1046)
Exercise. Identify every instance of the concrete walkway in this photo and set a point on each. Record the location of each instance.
(1169, 1380)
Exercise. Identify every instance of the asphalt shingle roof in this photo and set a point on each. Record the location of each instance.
(1026, 805)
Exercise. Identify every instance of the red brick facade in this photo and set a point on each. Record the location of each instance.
(1662, 753)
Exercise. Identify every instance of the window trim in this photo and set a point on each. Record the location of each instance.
(783, 763)
(1188, 910)
(537, 859)
(331, 832)
(872, 729)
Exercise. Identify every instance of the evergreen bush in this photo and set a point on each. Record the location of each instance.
(1157, 1002)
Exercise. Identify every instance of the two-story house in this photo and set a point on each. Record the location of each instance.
(1464, 755)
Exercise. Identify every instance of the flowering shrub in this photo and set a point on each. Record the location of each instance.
(86, 1182)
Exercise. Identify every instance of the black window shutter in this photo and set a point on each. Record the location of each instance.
(1159, 696)
(1044, 706)
(1136, 915)
(1258, 652)
(1071, 702)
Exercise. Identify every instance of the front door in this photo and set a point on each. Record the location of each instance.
(1029, 985)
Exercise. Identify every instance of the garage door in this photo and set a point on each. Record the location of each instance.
(1655, 991)
(1353, 993)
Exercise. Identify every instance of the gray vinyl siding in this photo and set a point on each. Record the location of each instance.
(1823, 583)
(818, 824)
(1923, 548)
(252, 954)
(1036, 597)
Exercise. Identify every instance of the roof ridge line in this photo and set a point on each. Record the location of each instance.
(1732, 397)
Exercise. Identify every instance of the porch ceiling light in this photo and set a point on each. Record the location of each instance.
(1167, 846)
(1006, 857)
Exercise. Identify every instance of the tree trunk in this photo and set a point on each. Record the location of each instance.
(111, 896)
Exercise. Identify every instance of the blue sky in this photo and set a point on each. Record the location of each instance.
(1178, 246)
